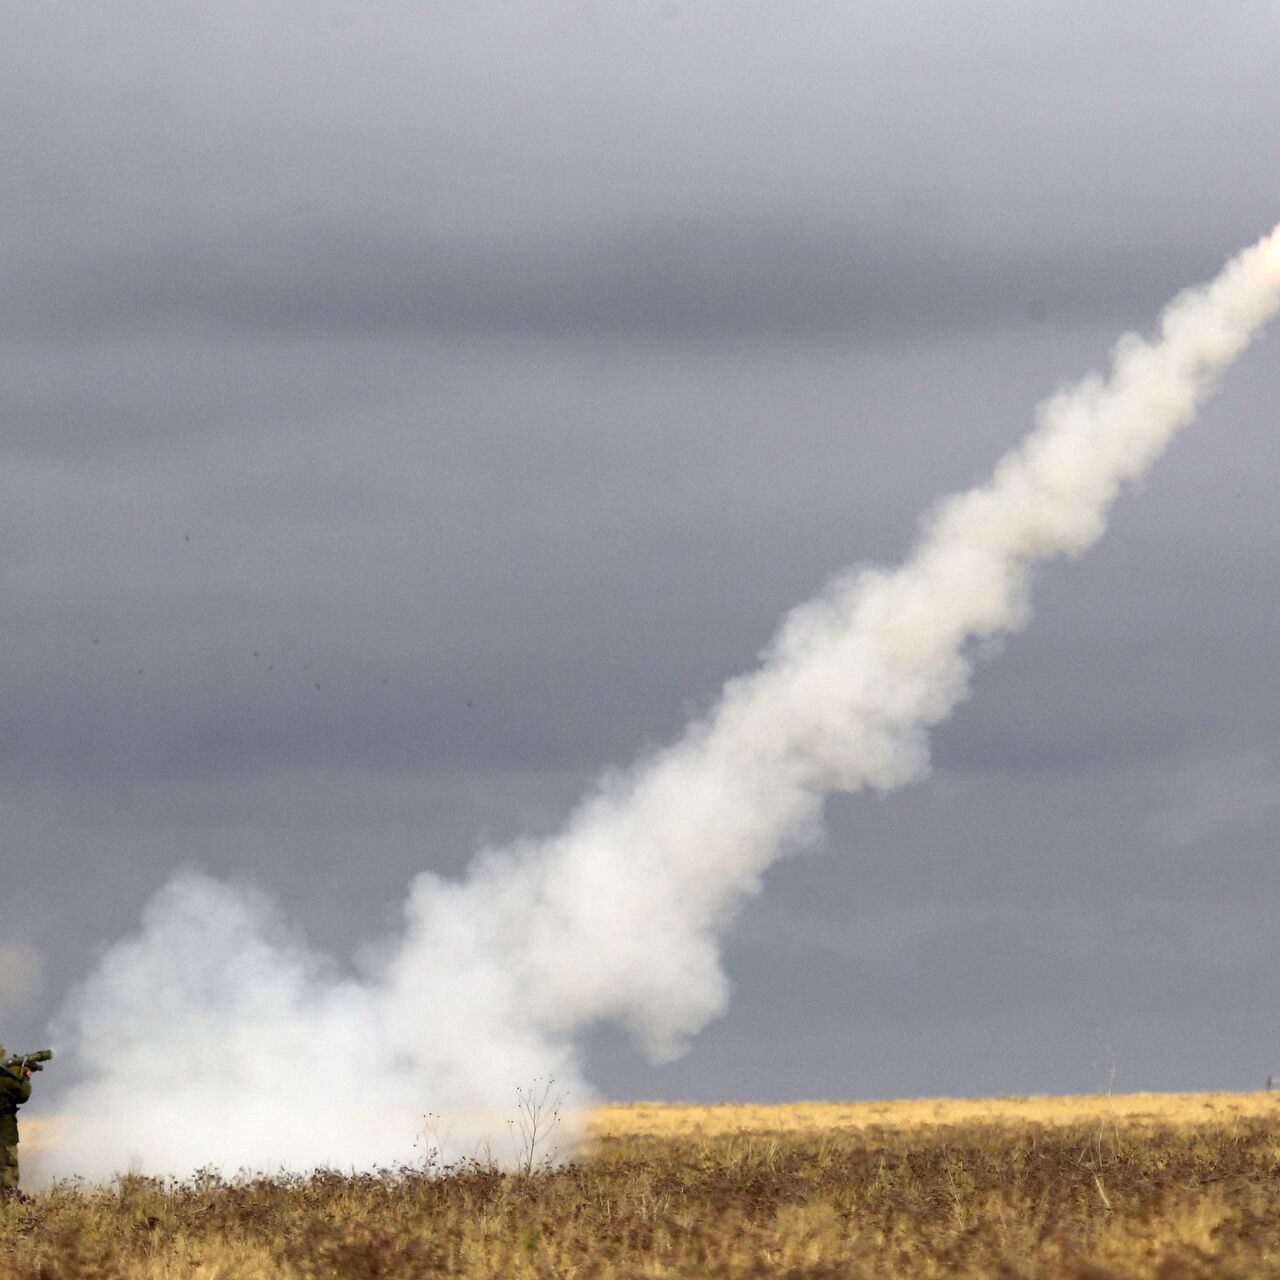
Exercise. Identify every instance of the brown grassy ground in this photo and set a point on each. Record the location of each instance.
(671, 1119)
(1161, 1187)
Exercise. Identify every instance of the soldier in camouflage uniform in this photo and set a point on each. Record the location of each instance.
(15, 1089)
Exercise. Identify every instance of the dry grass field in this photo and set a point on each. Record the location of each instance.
(668, 1119)
(1163, 1186)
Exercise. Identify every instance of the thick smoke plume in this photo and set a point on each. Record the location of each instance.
(211, 1038)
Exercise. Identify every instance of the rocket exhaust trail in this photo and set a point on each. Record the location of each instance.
(617, 918)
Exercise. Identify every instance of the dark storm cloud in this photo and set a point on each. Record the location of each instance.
(505, 371)
(698, 282)
(119, 393)
(725, 170)
(537, 557)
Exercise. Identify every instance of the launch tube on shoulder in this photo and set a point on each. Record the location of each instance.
(28, 1061)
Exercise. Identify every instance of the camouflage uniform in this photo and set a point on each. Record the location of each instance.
(14, 1091)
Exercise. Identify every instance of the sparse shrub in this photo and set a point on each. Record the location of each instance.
(537, 1122)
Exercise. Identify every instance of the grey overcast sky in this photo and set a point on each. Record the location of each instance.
(410, 408)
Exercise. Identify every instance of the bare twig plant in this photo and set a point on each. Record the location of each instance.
(536, 1124)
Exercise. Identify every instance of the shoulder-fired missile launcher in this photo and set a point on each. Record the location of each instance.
(27, 1061)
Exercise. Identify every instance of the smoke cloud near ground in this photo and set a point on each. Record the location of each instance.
(213, 1037)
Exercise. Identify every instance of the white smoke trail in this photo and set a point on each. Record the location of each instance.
(211, 1039)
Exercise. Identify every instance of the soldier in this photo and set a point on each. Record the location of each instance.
(15, 1089)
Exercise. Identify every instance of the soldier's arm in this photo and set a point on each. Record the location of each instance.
(14, 1088)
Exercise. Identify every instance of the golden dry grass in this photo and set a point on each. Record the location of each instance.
(671, 1119)
(1165, 1187)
